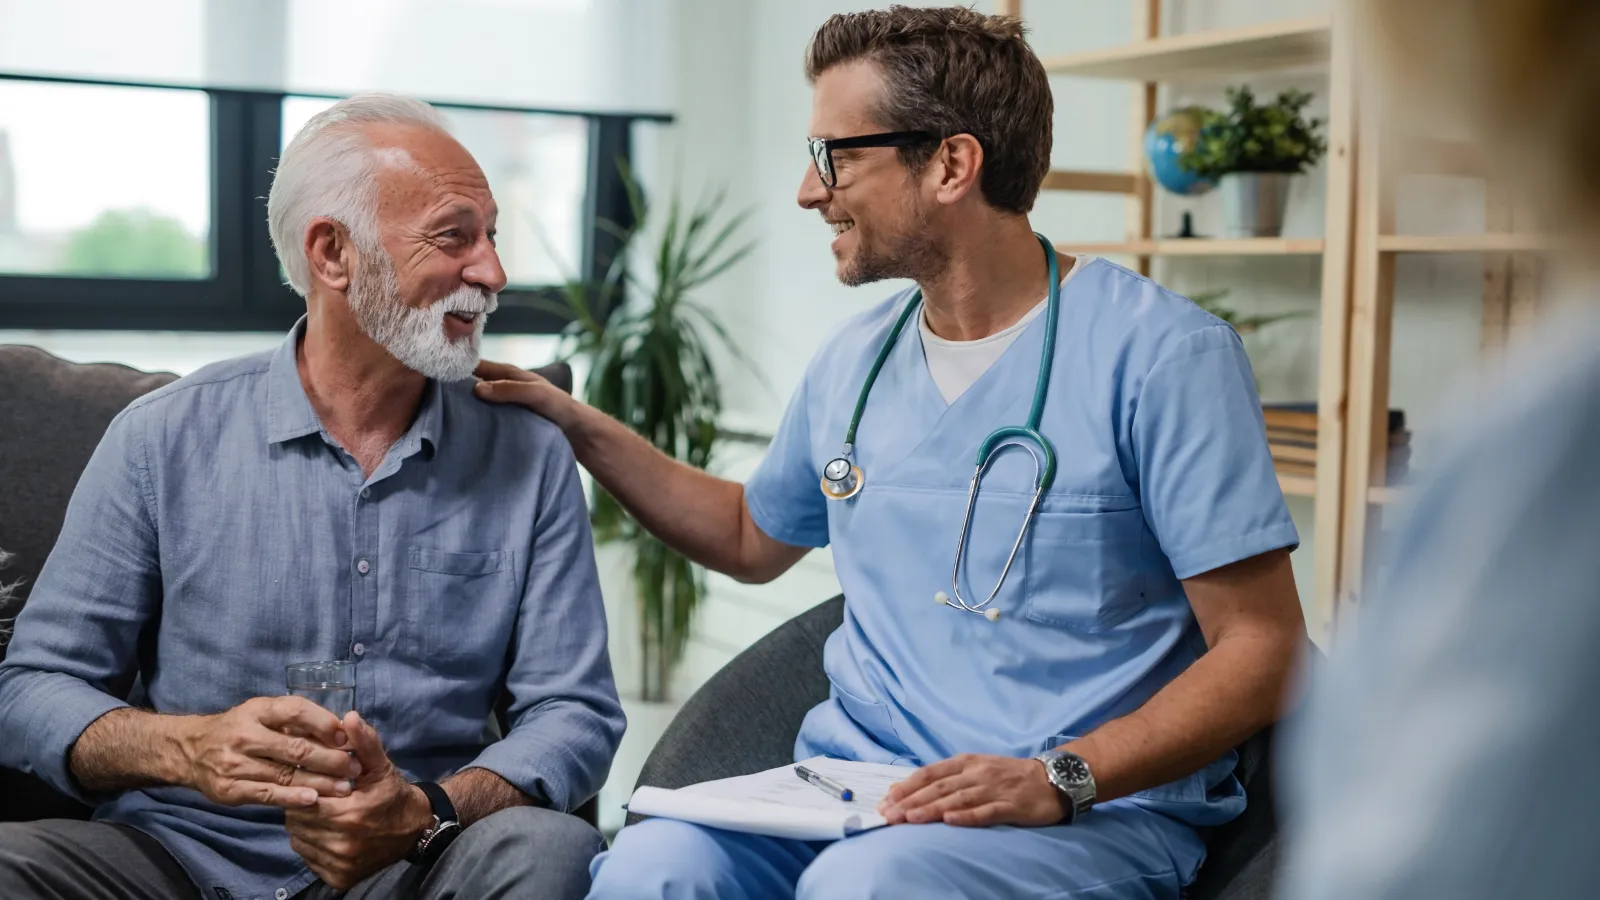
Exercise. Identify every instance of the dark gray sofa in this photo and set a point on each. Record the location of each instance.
(745, 718)
(52, 414)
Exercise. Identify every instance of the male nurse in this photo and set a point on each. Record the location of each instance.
(1075, 744)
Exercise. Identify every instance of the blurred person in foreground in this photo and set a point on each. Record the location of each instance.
(1449, 748)
(343, 496)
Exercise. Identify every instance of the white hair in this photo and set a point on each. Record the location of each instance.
(330, 169)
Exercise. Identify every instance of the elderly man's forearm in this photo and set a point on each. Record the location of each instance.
(480, 793)
(130, 748)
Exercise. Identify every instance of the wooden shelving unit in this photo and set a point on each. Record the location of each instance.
(1319, 43)
(1465, 243)
(1292, 44)
(1512, 273)
(1359, 249)
(1383, 495)
(1201, 247)
(1297, 485)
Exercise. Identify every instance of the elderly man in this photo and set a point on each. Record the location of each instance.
(342, 497)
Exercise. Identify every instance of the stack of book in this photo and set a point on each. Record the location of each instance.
(1292, 437)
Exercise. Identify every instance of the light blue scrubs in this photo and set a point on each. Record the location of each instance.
(1164, 474)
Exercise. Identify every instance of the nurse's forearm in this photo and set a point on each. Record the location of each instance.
(695, 513)
(1197, 718)
(1251, 617)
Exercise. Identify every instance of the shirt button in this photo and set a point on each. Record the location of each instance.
(366, 492)
(363, 567)
(281, 894)
(359, 648)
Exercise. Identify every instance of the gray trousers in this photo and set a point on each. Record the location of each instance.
(61, 859)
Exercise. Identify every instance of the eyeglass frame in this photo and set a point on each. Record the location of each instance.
(822, 149)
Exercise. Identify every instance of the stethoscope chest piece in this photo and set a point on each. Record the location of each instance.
(841, 479)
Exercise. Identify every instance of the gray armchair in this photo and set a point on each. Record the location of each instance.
(745, 719)
(52, 415)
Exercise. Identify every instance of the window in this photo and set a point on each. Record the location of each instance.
(537, 166)
(129, 207)
(67, 207)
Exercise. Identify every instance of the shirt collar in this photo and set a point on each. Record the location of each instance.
(290, 415)
(289, 412)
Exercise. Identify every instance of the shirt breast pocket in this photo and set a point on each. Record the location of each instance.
(1085, 570)
(463, 605)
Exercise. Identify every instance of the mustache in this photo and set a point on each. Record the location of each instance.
(470, 300)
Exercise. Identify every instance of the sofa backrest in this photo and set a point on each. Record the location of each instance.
(52, 416)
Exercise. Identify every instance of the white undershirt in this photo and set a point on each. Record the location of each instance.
(955, 365)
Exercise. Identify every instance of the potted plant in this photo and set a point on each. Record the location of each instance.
(651, 368)
(1243, 323)
(1252, 151)
(1211, 302)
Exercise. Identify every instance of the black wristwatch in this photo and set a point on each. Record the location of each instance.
(445, 828)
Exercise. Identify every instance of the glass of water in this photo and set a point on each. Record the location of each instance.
(331, 685)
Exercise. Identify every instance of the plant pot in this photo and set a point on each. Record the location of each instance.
(1253, 203)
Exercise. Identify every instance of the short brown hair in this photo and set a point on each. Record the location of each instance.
(954, 71)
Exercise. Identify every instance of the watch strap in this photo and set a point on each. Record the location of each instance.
(444, 829)
(443, 809)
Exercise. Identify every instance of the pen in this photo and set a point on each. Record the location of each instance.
(827, 784)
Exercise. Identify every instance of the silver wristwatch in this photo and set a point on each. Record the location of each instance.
(1072, 779)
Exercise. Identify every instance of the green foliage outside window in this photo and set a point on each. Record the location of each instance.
(137, 243)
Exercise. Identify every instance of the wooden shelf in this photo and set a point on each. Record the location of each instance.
(1437, 156)
(1383, 495)
(1202, 247)
(1297, 485)
(1465, 243)
(1294, 43)
(1092, 182)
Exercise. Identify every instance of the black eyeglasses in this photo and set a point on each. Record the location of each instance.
(822, 148)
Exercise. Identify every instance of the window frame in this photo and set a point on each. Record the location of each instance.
(244, 291)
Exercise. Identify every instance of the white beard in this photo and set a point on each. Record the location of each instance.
(416, 336)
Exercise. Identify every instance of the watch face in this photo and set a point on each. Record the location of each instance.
(1072, 770)
(437, 839)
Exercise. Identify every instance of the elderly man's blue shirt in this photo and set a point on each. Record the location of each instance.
(220, 533)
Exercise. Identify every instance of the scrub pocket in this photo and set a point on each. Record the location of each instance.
(1085, 569)
(871, 716)
(463, 605)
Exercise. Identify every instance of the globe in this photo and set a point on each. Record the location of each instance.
(1167, 138)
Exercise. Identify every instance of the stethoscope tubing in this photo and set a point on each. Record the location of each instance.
(850, 483)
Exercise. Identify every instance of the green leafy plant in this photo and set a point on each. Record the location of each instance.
(651, 368)
(1248, 137)
(1211, 302)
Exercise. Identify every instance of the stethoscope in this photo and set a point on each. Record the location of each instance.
(843, 479)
